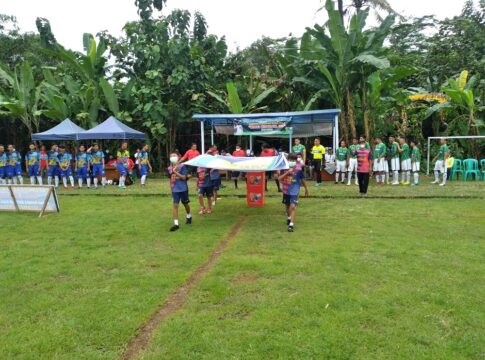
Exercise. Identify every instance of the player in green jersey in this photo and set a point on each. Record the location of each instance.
(352, 161)
(440, 164)
(395, 165)
(342, 155)
(415, 162)
(379, 158)
(405, 161)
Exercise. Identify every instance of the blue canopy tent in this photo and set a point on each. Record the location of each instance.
(111, 128)
(297, 124)
(66, 130)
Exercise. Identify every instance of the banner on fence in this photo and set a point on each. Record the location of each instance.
(276, 126)
(33, 198)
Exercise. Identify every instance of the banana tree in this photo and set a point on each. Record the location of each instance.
(20, 96)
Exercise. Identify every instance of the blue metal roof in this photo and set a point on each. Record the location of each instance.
(301, 117)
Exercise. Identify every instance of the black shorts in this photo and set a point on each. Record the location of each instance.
(216, 184)
(317, 164)
(206, 191)
(290, 199)
(235, 175)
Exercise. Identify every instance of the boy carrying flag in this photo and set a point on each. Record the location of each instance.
(204, 185)
(82, 167)
(32, 164)
(65, 167)
(97, 165)
(53, 163)
(292, 180)
(180, 191)
(14, 167)
(415, 162)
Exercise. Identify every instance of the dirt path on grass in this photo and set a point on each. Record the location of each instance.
(176, 300)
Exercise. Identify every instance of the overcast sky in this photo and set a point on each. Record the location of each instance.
(242, 22)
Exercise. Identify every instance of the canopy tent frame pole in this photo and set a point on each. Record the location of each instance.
(212, 134)
(335, 133)
(251, 143)
(447, 137)
(202, 135)
(290, 137)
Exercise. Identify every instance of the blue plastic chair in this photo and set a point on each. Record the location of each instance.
(471, 168)
(482, 165)
(456, 169)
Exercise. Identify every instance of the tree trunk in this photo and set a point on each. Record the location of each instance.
(343, 125)
(159, 155)
(365, 112)
(351, 115)
(474, 130)
(341, 9)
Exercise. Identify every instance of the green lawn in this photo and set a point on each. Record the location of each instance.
(358, 279)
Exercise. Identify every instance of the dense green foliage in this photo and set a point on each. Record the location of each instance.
(167, 67)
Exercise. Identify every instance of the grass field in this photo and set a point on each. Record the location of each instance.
(400, 274)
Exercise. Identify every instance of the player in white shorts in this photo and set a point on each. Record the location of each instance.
(405, 152)
(440, 165)
(352, 163)
(342, 155)
(395, 163)
(379, 159)
(415, 162)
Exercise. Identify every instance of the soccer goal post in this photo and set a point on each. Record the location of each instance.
(447, 137)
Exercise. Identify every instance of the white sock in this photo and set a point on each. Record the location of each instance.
(32, 180)
(122, 180)
(56, 181)
(403, 176)
(395, 177)
(143, 179)
(188, 216)
(9, 181)
(64, 181)
(291, 224)
(103, 181)
(349, 177)
(21, 180)
(176, 222)
(408, 176)
(39, 180)
(88, 180)
(416, 177)
(96, 181)
(49, 180)
(343, 177)
(386, 176)
(71, 179)
(436, 175)
(80, 182)
(15, 180)
(336, 176)
(445, 176)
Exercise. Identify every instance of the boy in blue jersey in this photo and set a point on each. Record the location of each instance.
(292, 180)
(204, 185)
(144, 164)
(96, 157)
(82, 167)
(215, 176)
(180, 191)
(3, 165)
(123, 155)
(53, 164)
(14, 166)
(32, 164)
(65, 167)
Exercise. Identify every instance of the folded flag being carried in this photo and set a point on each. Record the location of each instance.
(241, 164)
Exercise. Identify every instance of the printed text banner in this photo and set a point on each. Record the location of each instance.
(245, 164)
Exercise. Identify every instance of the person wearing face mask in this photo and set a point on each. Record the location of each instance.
(364, 158)
(235, 175)
(180, 191)
(292, 180)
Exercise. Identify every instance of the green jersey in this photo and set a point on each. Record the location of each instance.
(416, 155)
(442, 151)
(380, 151)
(342, 153)
(353, 151)
(394, 151)
(405, 152)
(299, 149)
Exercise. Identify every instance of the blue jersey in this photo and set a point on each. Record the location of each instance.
(97, 157)
(14, 158)
(32, 157)
(292, 182)
(3, 159)
(65, 160)
(215, 174)
(52, 158)
(143, 157)
(82, 159)
(203, 177)
(177, 184)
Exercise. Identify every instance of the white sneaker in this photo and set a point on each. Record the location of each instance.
(213, 203)
(442, 184)
(435, 182)
(395, 183)
(348, 184)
